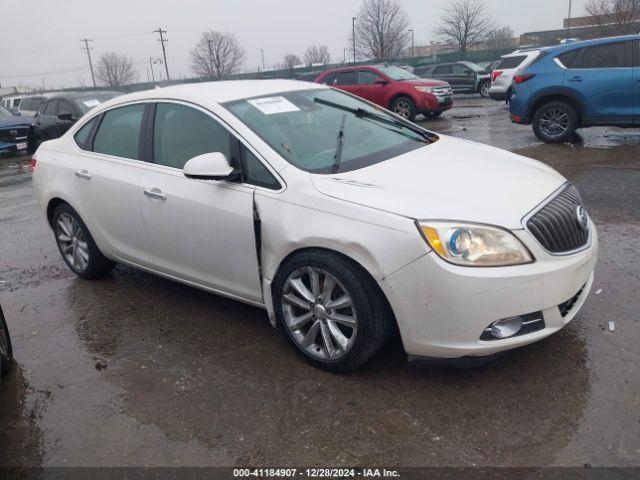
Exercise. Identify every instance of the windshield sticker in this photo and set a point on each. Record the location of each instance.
(272, 105)
(91, 103)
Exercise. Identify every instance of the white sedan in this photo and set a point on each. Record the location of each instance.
(340, 219)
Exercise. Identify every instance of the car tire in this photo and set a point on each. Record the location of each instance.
(76, 245)
(353, 297)
(484, 89)
(555, 122)
(6, 351)
(432, 115)
(404, 107)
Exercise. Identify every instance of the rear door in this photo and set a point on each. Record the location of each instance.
(46, 120)
(60, 126)
(107, 182)
(348, 81)
(604, 76)
(444, 73)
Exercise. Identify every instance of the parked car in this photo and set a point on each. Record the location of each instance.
(580, 84)
(462, 76)
(11, 103)
(30, 105)
(60, 111)
(393, 88)
(342, 220)
(503, 73)
(13, 132)
(6, 352)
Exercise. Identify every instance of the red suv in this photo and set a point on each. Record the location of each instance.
(393, 88)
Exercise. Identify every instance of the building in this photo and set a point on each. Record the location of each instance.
(583, 28)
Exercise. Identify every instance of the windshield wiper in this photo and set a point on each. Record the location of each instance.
(361, 112)
(337, 158)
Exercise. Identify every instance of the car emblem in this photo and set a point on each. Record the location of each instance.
(582, 218)
(13, 133)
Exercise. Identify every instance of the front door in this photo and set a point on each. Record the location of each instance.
(200, 231)
(369, 89)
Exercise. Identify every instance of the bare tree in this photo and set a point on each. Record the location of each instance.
(500, 39)
(216, 55)
(290, 61)
(615, 17)
(114, 70)
(382, 30)
(315, 54)
(464, 23)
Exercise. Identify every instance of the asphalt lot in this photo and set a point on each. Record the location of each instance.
(189, 378)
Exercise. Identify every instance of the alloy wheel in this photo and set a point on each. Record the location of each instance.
(554, 122)
(402, 108)
(484, 89)
(72, 242)
(319, 313)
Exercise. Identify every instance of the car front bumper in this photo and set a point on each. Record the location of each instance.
(443, 309)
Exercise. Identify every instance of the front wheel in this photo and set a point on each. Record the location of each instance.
(555, 122)
(6, 352)
(330, 310)
(76, 245)
(405, 107)
(484, 89)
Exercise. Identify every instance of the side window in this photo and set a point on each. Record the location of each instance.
(181, 133)
(460, 69)
(568, 58)
(612, 55)
(329, 79)
(256, 173)
(65, 106)
(119, 132)
(82, 137)
(367, 77)
(51, 108)
(26, 104)
(346, 78)
(508, 63)
(442, 70)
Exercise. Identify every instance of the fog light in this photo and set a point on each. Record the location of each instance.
(507, 327)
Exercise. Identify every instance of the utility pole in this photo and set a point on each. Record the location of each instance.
(569, 19)
(353, 34)
(86, 47)
(153, 76)
(163, 40)
(210, 57)
(412, 42)
(262, 53)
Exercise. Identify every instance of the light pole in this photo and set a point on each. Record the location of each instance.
(344, 56)
(262, 54)
(412, 42)
(353, 34)
(569, 19)
(153, 76)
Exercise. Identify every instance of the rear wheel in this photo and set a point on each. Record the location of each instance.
(555, 122)
(76, 245)
(484, 89)
(6, 352)
(330, 310)
(405, 107)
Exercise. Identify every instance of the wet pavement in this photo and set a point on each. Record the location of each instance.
(137, 370)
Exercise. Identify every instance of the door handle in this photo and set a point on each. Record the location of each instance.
(155, 193)
(575, 79)
(83, 174)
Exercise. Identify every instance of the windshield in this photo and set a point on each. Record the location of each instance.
(306, 132)
(5, 113)
(87, 103)
(396, 73)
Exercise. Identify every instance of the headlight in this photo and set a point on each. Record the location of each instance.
(424, 89)
(475, 245)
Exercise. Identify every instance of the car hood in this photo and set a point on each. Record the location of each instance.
(451, 179)
(14, 121)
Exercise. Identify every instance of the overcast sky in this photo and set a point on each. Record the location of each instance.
(40, 39)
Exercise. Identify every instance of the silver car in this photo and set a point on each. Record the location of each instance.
(503, 73)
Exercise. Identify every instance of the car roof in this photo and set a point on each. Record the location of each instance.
(588, 43)
(219, 92)
(73, 95)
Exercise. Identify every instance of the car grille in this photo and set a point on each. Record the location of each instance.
(7, 136)
(442, 91)
(565, 307)
(557, 225)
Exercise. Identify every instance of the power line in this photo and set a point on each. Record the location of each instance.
(86, 47)
(162, 41)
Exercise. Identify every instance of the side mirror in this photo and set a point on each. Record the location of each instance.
(380, 81)
(65, 115)
(208, 166)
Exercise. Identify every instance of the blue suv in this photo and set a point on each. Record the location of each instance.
(581, 84)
